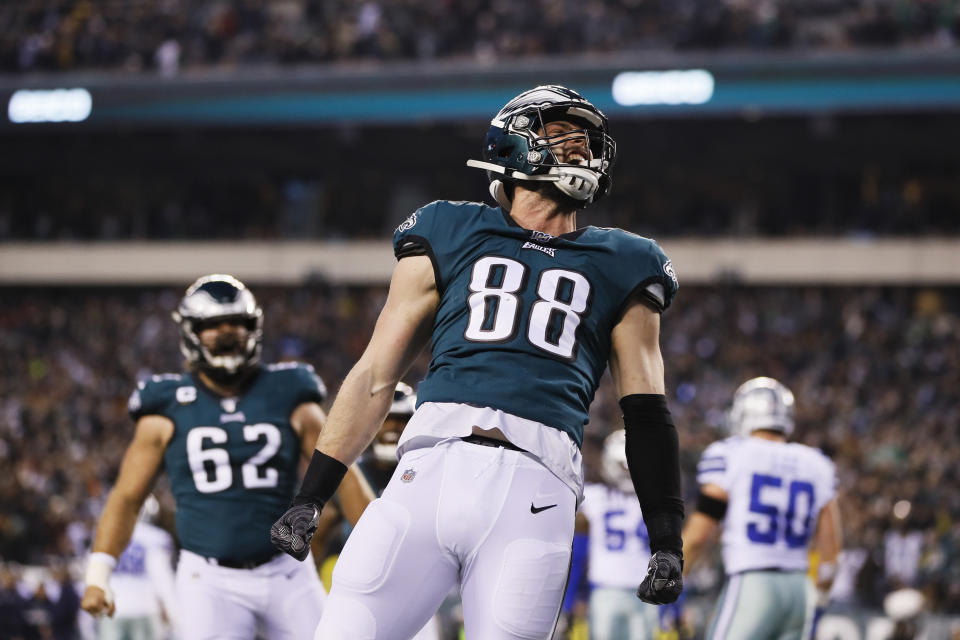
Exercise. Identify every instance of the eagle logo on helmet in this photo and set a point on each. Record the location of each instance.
(517, 148)
(209, 299)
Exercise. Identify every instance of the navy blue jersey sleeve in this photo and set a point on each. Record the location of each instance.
(655, 280)
(153, 395)
(299, 381)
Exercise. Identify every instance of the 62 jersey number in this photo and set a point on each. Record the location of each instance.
(211, 468)
(563, 298)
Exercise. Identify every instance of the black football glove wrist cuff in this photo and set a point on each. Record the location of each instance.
(321, 480)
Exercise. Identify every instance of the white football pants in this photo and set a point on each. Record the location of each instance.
(493, 520)
(764, 604)
(617, 614)
(281, 599)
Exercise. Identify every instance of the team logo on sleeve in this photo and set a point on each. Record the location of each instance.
(186, 395)
(408, 223)
(408, 475)
(668, 269)
(135, 402)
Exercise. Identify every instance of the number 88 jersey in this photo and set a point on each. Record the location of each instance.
(775, 493)
(524, 319)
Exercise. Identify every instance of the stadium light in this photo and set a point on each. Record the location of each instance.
(49, 105)
(692, 86)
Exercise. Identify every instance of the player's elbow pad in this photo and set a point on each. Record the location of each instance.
(653, 456)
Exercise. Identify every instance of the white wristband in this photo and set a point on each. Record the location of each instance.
(99, 567)
(826, 572)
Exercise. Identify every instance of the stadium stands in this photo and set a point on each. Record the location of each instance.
(170, 35)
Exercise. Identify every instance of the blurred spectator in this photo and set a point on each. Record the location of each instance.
(902, 548)
(12, 606)
(51, 610)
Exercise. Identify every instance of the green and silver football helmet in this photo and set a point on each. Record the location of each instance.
(516, 148)
(212, 299)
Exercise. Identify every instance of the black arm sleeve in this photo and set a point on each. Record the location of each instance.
(653, 456)
(710, 506)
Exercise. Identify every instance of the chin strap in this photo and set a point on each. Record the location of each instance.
(499, 192)
(579, 183)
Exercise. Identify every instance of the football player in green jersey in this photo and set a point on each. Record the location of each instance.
(524, 311)
(231, 434)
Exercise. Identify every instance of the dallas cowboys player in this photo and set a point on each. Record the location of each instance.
(230, 433)
(618, 549)
(524, 310)
(775, 498)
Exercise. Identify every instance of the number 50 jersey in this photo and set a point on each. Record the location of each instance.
(775, 493)
(524, 319)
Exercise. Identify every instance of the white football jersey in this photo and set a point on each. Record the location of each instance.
(143, 577)
(619, 545)
(776, 491)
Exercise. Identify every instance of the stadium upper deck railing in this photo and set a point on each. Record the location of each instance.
(639, 85)
(829, 261)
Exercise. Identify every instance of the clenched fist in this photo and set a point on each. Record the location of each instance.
(293, 531)
(664, 580)
(97, 602)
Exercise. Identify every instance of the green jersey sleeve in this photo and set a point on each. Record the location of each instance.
(439, 230)
(299, 381)
(653, 273)
(153, 395)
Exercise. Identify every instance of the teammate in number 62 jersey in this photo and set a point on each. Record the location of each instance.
(776, 499)
(524, 311)
(230, 433)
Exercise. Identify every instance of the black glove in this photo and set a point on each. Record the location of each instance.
(664, 580)
(293, 531)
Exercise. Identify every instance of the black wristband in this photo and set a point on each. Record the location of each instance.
(710, 506)
(653, 456)
(321, 480)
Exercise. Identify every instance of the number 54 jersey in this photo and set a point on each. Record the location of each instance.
(232, 462)
(524, 320)
(775, 493)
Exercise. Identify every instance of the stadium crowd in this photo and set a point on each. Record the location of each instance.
(671, 200)
(170, 35)
(873, 370)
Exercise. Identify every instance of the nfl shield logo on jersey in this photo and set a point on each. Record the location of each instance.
(408, 475)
